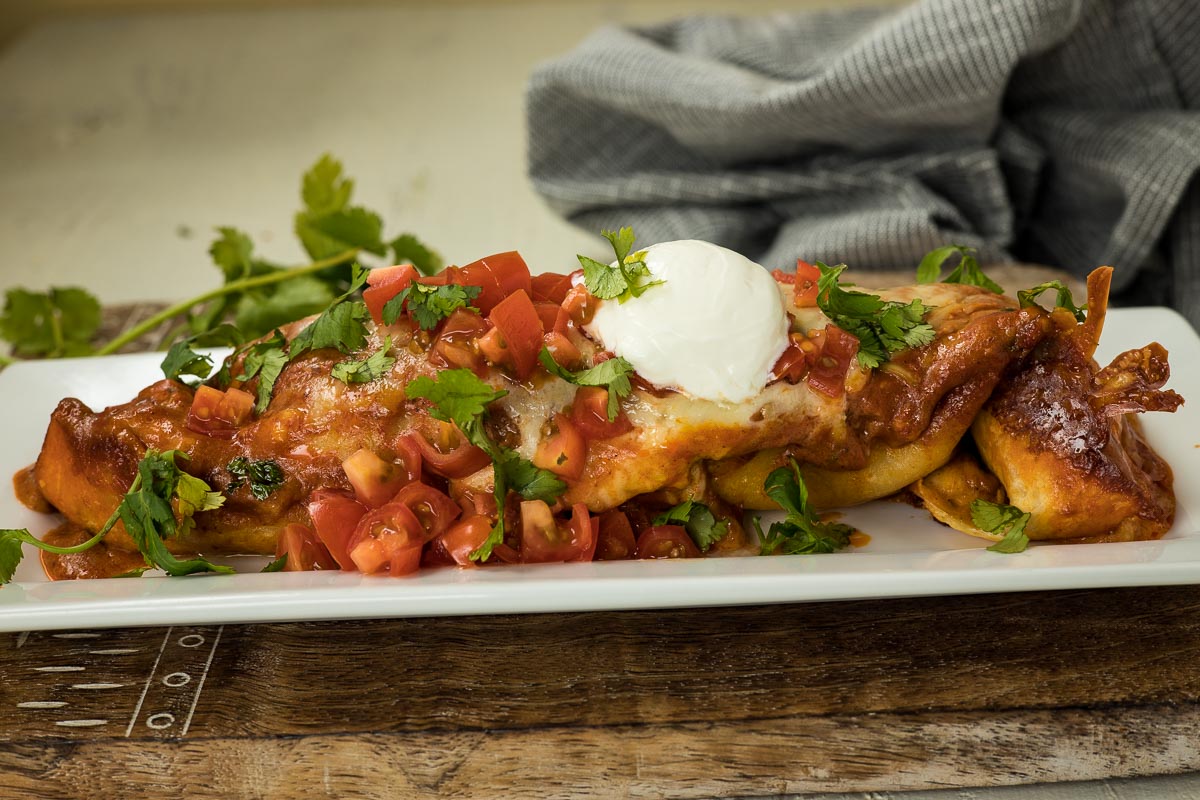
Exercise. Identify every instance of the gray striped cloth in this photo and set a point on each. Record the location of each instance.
(1062, 132)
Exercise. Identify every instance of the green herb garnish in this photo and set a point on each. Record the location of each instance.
(882, 328)
(698, 520)
(625, 278)
(801, 532)
(967, 271)
(612, 374)
(1003, 520)
(429, 305)
(264, 477)
(1063, 298)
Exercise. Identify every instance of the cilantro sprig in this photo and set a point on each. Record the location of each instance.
(256, 295)
(458, 396)
(882, 328)
(698, 520)
(371, 368)
(265, 476)
(429, 305)
(1062, 299)
(612, 374)
(160, 505)
(627, 277)
(1005, 521)
(801, 532)
(967, 271)
(183, 360)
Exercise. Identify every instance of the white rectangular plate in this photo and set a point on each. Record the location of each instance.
(908, 555)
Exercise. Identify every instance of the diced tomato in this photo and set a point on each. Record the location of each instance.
(520, 332)
(219, 414)
(498, 276)
(388, 538)
(564, 452)
(335, 517)
(464, 538)
(544, 540)
(666, 541)
(434, 510)
(580, 305)
(303, 549)
(615, 540)
(590, 415)
(552, 315)
(805, 293)
(385, 283)
(562, 350)
(552, 286)
(455, 345)
(828, 373)
(375, 481)
(459, 459)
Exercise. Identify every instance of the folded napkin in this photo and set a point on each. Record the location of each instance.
(1063, 132)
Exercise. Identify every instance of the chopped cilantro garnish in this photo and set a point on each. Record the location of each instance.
(801, 532)
(340, 326)
(458, 396)
(698, 520)
(1063, 299)
(1003, 520)
(264, 476)
(882, 328)
(967, 271)
(612, 374)
(625, 278)
(182, 360)
(265, 360)
(429, 305)
(277, 565)
(371, 368)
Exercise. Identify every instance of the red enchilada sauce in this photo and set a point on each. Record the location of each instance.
(100, 561)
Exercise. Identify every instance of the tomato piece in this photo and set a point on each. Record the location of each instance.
(455, 345)
(589, 413)
(543, 540)
(375, 481)
(464, 538)
(666, 541)
(564, 452)
(218, 414)
(303, 549)
(615, 539)
(385, 283)
(497, 276)
(562, 350)
(458, 460)
(434, 510)
(783, 277)
(580, 305)
(804, 295)
(516, 322)
(552, 286)
(335, 516)
(828, 373)
(388, 538)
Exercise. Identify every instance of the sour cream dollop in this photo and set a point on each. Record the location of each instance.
(714, 329)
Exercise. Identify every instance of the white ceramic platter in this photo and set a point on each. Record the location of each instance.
(908, 555)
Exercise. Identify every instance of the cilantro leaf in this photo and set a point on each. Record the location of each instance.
(1004, 520)
(372, 368)
(1063, 299)
(612, 374)
(265, 360)
(341, 326)
(150, 520)
(264, 477)
(456, 395)
(11, 554)
(53, 324)
(278, 565)
(407, 248)
(967, 271)
(882, 328)
(698, 520)
(259, 311)
(526, 479)
(801, 532)
(429, 305)
(328, 224)
(182, 360)
(233, 253)
(625, 277)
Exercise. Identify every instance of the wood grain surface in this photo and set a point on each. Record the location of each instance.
(877, 695)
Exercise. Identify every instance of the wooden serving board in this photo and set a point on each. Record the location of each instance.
(931, 692)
